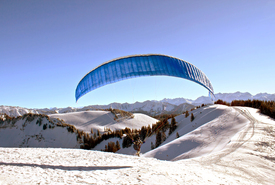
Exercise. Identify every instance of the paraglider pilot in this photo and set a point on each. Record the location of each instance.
(137, 145)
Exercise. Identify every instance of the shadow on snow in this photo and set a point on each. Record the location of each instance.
(70, 168)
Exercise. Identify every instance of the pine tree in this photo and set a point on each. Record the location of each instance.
(186, 114)
(98, 133)
(127, 142)
(120, 134)
(177, 135)
(111, 147)
(173, 124)
(158, 139)
(79, 134)
(165, 125)
(143, 133)
(92, 131)
(86, 138)
(92, 142)
(117, 145)
(192, 117)
(163, 137)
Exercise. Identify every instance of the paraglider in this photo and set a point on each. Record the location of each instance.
(137, 145)
(141, 65)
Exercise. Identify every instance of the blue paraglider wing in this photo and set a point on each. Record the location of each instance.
(140, 65)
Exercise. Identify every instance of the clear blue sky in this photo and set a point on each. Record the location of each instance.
(47, 46)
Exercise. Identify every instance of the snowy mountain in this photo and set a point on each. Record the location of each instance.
(220, 144)
(176, 101)
(152, 108)
(228, 97)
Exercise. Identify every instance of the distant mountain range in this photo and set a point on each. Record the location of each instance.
(179, 105)
(228, 97)
(152, 108)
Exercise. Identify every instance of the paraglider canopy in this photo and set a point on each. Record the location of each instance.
(137, 66)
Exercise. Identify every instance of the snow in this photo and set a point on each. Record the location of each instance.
(30, 134)
(87, 120)
(211, 131)
(15, 111)
(223, 145)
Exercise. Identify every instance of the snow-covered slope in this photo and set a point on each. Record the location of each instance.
(35, 131)
(248, 159)
(60, 130)
(15, 111)
(87, 120)
(212, 129)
